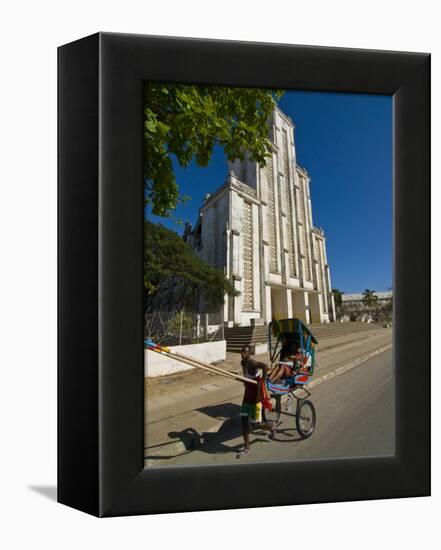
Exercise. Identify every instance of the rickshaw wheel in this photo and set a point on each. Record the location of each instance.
(274, 415)
(305, 418)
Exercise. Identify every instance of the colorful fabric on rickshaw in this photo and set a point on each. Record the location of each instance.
(252, 410)
(264, 396)
(278, 389)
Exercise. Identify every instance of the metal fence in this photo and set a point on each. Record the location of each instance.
(182, 327)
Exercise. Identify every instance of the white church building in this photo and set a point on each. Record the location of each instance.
(257, 228)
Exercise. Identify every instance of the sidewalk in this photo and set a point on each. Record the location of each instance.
(185, 410)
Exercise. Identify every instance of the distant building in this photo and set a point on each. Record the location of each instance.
(353, 303)
(257, 228)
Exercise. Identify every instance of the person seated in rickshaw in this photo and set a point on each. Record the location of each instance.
(292, 361)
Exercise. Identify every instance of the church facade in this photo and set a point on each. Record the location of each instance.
(257, 228)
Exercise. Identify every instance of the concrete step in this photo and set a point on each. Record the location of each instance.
(236, 337)
(245, 330)
(247, 338)
(347, 325)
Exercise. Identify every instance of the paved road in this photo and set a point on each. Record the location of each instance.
(355, 418)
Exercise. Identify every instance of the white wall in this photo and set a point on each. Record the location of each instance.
(156, 364)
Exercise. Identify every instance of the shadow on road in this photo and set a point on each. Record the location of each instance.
(216, 442)
(221, 411)
(286, 435)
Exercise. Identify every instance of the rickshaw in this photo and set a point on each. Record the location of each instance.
(291, 343)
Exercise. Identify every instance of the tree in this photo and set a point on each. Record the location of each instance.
(187, 121)
(176, 278)
(370, 300)
(386, 308)
(338, 300)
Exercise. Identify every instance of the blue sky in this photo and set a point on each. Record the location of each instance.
(345, 143)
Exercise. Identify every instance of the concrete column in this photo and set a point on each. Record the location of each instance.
(316, 307)
(256, 256)
(298, 229)
(332, 314)
(264, 226)
(299, 303)
(231, 299)
(329, 286)
(235, 254)
(227, 271)
(289, 308)
(284, 267)
(323, 275)
(281, 303)
(315, 272)
(291, 190)
(307, 309)
(237, 309)
(263, 186)
(307, 228)
(290, 183)
(277, 214)
(268, 310)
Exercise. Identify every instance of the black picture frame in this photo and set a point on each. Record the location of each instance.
(100, 284)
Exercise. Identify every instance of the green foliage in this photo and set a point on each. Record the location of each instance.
(370, 299)
(181, 320)
(385, 310)
(187, 121)
(338, 300)
(175, 277)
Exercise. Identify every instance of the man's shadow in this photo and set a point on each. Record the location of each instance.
(215, 442)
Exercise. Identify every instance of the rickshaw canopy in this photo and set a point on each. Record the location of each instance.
(288, 331)
(292, 327)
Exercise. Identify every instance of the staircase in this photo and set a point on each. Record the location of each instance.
(330, 330)
(237, 337)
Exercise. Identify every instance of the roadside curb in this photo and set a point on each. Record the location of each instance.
(196, 441)
(348, 366)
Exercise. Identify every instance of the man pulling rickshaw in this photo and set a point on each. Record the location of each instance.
(292, 356)
(251, 408)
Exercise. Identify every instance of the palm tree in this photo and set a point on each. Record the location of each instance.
(370, 300)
